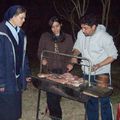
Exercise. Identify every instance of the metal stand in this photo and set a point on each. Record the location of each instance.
(61, 54)
(38, 108)
(38, 105)
(91, 90)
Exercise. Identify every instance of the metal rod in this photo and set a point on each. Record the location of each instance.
(72, 56)
(38, 105)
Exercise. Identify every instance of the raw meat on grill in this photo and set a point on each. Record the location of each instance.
(66, 78)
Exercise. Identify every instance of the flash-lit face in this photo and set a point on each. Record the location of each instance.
(18, 20)
(56, 28)
(88, 30)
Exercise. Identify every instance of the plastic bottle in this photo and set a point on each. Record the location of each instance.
(118, 112)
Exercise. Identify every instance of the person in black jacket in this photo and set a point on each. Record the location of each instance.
(14, 69)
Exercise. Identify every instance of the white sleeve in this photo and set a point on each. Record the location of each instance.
(77, 42)
(109, 46)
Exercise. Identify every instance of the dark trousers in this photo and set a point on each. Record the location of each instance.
(92, 106)
(53, 102)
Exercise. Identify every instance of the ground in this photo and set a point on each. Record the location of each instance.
(72, 110)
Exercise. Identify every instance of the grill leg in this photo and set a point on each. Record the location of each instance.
(38, 105)
(85, 117)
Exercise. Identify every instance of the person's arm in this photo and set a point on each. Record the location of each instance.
(69, 44)
(76, 48)
(108, 60)
(41, 47)
(27, 68)
(75, 53)
(73, 60)
(2, 66)
(110, 50)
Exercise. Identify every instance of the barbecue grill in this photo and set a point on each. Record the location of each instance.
(67, 85)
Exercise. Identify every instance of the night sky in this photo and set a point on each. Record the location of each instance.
(39, 12)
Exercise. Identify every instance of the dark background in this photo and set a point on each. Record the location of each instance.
(39, 12)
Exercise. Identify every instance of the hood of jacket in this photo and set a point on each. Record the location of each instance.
(100, 28)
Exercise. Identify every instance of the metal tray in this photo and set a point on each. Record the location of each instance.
(67, 91)
(97, 91)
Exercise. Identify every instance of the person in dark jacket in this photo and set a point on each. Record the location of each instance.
(57, 41)
(14, 69)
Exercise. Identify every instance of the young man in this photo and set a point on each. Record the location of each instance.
(94, 43)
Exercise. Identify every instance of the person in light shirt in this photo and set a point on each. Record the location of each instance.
(94, 43)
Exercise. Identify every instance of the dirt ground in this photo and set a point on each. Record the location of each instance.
(72, 110)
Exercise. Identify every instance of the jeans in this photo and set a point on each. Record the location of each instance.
(92, 106)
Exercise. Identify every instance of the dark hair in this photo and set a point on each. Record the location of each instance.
(89, 20)
(54, 19)
(13, 11)
(55, 38)
(20, 10)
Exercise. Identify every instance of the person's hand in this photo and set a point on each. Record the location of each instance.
(95, 67)
(74, 60)
(69, 67)
(44, 62)
(28, 79)
(2, 89)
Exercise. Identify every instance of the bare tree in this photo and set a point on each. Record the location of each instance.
(72, 11)
(106, 4)
(105, 11)
(81, 7)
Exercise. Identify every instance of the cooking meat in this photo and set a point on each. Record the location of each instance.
(42, 75)
(66, 78)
